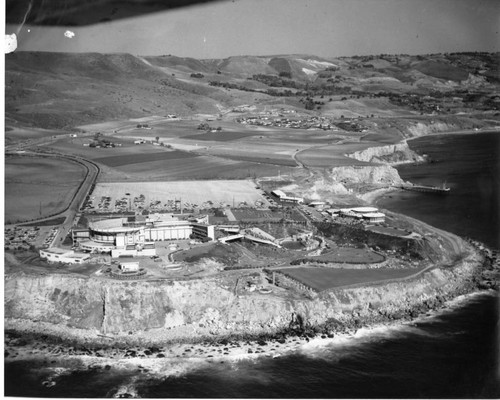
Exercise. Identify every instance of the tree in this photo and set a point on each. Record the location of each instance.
(157, 139)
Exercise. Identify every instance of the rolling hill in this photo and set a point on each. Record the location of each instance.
(63, 90)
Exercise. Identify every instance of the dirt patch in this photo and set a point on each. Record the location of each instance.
(222, 253)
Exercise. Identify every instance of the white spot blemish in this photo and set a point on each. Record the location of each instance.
(10, 43)
(69, 34)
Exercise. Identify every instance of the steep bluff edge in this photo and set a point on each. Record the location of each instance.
(393, 154)
(84, 308)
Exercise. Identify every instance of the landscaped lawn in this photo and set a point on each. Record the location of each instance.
(328, 278)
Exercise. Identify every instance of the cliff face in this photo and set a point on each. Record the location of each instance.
(392, 154)
(341, 180)
(369, 175)
(191, 309)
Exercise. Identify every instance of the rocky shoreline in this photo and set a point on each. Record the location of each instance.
(24, 341)
(60, 349)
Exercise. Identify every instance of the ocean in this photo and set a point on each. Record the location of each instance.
(453, 353)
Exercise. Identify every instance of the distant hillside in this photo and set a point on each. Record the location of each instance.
(58, 90)
(442, 71)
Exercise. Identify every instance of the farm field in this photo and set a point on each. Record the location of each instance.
(193, 168)
(331, 155)
(15, 134)
(197, 193)
(257, 150)
(34, 183)
(126, 147)
(220, 136)
(121, 160)
(329, 278)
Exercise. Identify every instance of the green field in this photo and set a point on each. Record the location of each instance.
(120, 160)
(221, 136)
(36, 187)
(328, 278)
(331, 156)
(350, 255)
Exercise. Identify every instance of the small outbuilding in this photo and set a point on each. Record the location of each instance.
(129, 266)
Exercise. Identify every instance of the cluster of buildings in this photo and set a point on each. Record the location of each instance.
(20, 237)
(130, 236)
(296, 123)
(136, 235)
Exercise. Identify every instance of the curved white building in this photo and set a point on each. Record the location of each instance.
(136, 235)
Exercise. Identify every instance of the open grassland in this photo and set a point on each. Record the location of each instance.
(387, 230)
(129, 161)
(260, 151)
(330, 156)
(121, 160)
(193, 168)
(225, 254)
(329, 278)
(35, 183)
(220, 136)
(80, 146)
(197, 193)
(349, 255)
(16, 134)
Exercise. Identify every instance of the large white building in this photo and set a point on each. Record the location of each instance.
(55, 254)
(135, 236)
(286, 198)
(369, 214)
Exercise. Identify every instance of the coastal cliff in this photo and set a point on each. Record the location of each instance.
(159, 311)
(345, 181)
(393, 154)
